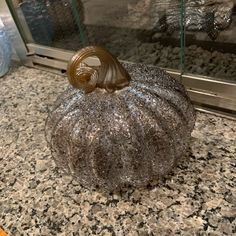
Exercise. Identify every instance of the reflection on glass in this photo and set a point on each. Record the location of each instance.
(38, 20)
(146, 31)
(211, 38)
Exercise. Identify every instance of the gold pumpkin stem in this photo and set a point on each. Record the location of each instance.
(110, 75)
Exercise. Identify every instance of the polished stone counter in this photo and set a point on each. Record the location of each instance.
(197, 198)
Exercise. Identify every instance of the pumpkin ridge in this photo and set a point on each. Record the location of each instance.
(67, 94)
(138, 129)
(57, 129)
(165, 130)
(155, 170)
(58, 117)
(59, 101)
(75, 148)
(133, 133)
(174, 134)
(90, 161)
(155, 77)
(107, 116)
(68, 99)
(157, 114)
(179, 92)
(172, 88)
(185, 110)
(188, 112)
(154, 92)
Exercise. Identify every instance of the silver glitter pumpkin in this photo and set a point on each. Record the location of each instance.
(111, 128)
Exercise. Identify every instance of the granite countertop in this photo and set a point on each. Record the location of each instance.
(197, 198)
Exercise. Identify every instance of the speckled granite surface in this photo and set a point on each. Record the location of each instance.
(198, 198)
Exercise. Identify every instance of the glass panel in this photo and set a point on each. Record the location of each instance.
(146, 31)
(210, 27)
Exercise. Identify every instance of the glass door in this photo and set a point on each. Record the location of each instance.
(209, 52)
(134, 30)
(211, 39)
(193, 40)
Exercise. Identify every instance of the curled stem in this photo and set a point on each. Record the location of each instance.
(109, 75)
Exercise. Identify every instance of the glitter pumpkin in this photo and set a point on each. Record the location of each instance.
(118, 124)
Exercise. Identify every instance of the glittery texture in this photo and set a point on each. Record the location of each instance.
(129, 137)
